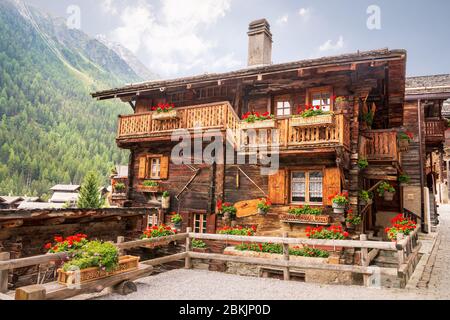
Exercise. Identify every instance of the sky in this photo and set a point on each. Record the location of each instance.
(187, 37)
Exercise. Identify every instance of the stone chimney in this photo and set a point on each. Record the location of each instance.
(259, 43)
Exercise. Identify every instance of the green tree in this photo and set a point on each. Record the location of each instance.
(90, 197)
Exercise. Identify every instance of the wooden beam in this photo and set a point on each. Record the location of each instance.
(167, 259)
(4, 256)
(33, 292)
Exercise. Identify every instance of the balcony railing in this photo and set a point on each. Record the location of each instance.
(435, 130)
(208, 116)
(379, 145)
(287, 136)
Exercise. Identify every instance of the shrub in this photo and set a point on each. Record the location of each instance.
(385, 187)
(404, 178)
(363, 163)
(199, 244)
(99, 254)
(333, 232)
(400, 225)
(90, 197)
(158, 231)
(238, 231)
(305, 210)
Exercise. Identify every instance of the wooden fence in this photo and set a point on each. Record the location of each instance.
(407, 250)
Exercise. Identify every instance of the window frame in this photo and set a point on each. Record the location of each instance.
(203, 222)
(149, 162)
(283, 99)
(320, 90)
(307, 173)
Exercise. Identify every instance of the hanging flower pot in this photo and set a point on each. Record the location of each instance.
(264, 206)
(388, 196)
(338, 208)
(339, 202)
(386, 191)
(165, 200)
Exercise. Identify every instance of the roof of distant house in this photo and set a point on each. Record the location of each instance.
(360, 56)
(431, 86)
(40, 205)
(66, 187)
(122, 172)
(11, 199)
(63, 197)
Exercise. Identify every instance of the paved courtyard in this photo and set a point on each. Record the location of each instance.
(434, 282)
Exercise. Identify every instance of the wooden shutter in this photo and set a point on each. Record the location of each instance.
(164, 169)
(142, 167)
(211, 223)
(277, 187)
(331, 184)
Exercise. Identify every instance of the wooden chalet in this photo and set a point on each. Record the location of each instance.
(424, 161)
(316, 160)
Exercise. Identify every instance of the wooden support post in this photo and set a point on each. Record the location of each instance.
(365, 259)
(34, 292)
(120, 239)
(286, 273)
(4, 256)
(187, 260)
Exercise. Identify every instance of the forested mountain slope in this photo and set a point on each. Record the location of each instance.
(51, 130)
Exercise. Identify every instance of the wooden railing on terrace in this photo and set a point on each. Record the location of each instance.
(292, 137)
(379, 145)
(207, 116)
(435, 129)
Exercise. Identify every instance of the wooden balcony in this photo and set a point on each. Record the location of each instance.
(379, 146)
(435, 130)
(141, 127)
(290, 137)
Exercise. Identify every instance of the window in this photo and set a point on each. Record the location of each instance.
(199, 223)
(155, 168)
(321, 97)
(307, 187)
(152, 219)
(283, 108)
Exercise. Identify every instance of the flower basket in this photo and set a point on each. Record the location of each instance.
(388, 196)
(305, 219)
(325, 119)
(165, 115)
(165, 202)
(403, 145)
(264, 124)
(126, 263)
(365, 202)
(262, 212)
(338, 208)
(149, 189)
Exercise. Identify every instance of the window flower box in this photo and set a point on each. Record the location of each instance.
(324, 119)
(263, 124)
(305, 219)
(149, 189)
(126, 263)
(165, 115)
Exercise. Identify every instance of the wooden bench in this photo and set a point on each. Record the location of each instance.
(121, 283)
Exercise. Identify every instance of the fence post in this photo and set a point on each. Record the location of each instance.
(120, 239)
(400, 253)
(4, 256)
(286, 273)
(187, 260)
(365, 259)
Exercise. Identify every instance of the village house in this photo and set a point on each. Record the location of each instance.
(356, 142)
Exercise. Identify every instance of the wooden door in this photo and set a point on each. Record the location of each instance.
(331, 184)
(277, 187)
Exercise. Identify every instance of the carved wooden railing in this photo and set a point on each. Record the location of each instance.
(379, 145)
(288, 136)
(207, 116)
(435, 129)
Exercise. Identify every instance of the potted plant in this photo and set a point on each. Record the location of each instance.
(339, 202)
(311, 115)
(176, 219)
(119, 187)
(165, 200)
(363, 163)
(226, 209)
(150, 186)
(306, 215)
(365, 197)
(386, 190)
(352, 220)
(256, 120)
(199, 246)
(403, 179)
(164, 111)
(264, 206)
(404, 139)
(89, 260)
(400, 225)
(340, 102)
(158, 232)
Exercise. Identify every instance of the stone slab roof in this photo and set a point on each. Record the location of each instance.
(433, 84)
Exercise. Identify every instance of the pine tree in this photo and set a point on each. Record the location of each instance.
(90, 197)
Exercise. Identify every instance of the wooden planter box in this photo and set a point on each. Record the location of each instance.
(305, 219)
(142, 188)
(265, 124)
(126, 263)
(165, 115)
(326, 119)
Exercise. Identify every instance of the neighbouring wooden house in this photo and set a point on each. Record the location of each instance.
(316, 159)
(424, 161)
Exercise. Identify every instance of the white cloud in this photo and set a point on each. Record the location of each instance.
(305, 13)
(283, 19)
(108, 7)
(329, 46)
(172, 34)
